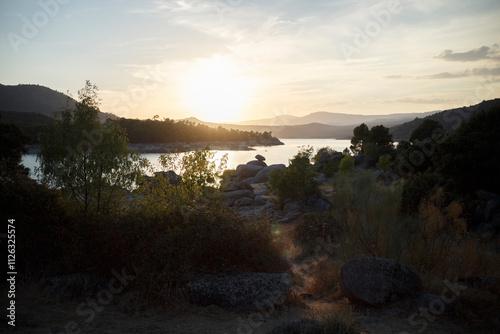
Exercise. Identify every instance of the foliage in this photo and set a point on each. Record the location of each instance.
(38, 211)
(88, 160)
(31, 123)
(361, 135)
(372, 143)
(296, 181)
(346, 165)
(199, 177)
(168, 130)
(384, 162)
(323, 153)
(12, 146)
(416, 188)
(426, 130)
(471, 155)
(380, 136)
(313, 230)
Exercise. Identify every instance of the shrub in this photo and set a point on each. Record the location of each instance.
(384, 162)
(297, 181)
(346, 165)
(416, 188)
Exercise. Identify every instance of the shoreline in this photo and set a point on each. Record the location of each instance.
(188, 146)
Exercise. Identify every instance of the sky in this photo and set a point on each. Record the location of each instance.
(236, 60)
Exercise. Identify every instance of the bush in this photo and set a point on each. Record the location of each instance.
(346, 164)
(163, 252)
(416, 188)
(384, 162)
(297, 181)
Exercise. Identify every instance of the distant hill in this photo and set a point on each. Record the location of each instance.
(450, 119)
(312, 130)
(336, 119)
(31, 123)
(37, 99)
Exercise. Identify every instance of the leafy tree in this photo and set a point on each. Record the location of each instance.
(380, 136)
(471, 155)
(199, 176)
(361, 135)
(88, 160)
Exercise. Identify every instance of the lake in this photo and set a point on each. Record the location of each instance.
(273, 154)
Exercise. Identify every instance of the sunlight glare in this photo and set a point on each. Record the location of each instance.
(215, 91)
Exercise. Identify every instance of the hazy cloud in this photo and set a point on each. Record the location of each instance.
(483, 71)
(482, 53)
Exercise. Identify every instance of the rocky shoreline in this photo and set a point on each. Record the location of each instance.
(190, 146)
(216, 145)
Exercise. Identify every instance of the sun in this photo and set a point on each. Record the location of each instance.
(214, 90)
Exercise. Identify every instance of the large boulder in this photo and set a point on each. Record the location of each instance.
(240, 291)
(375, 280)
(245, 171)
(257, 163)
(263, 175)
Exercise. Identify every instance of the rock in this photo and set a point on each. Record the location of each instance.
(433, 303)
(171, 176)
(291, 207)
(257, 163)
(299, 326)
(238, 194)
(375, 280)
(245, 201)
(259, 201)
(244, 185)
(263, 175)
(322, 204)
(246, 171)
(240, 291)
(260, 158)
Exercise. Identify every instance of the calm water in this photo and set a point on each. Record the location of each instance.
(273, 154)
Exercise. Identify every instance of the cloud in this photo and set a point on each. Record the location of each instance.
(482, 53)
(483, 71)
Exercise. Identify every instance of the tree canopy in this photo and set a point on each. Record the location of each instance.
(85, 158)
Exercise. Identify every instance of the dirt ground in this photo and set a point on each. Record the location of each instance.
(39, 312)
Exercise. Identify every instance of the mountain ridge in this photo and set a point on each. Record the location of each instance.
(32, 98)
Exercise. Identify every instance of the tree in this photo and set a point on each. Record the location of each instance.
(471, 155)
(428, 129)
(380, 136)
(361, 136)
(88, 160)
